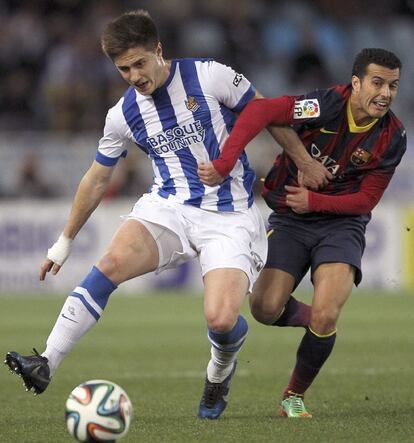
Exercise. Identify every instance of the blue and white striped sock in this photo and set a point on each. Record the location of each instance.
(224, 350)
(81, 310)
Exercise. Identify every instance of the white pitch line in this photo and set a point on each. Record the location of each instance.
(372, 372)
(366, 371)
(157, 375)
(173, 374)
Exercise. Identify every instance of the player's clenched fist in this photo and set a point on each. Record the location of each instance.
(208, 174)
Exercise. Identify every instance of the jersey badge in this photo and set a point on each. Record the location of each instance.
(360, 157)
(237, 79)
(192, 104)
(308, 108)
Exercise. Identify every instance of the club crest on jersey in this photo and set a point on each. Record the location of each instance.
(308, 108)
(192, 104)
(360, 157)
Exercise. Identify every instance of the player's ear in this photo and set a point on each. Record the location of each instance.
(356, 83)
(158, 50)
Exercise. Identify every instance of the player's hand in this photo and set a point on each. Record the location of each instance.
(297, 199)
(48, 266)
(56, 256)
(208, 174)
(315, 175)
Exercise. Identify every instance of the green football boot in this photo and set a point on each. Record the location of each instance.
(293, 407)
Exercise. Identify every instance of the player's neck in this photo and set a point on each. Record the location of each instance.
(165, 71)
(357, 116)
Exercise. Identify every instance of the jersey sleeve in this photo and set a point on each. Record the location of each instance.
(358, 203)
(316, 108)
(112, 145)
(394, 153)
(229, 87)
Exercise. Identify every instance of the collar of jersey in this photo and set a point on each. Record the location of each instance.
(351, 122)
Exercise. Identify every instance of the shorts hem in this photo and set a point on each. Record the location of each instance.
(358, 272)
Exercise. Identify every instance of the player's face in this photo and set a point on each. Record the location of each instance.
(143, 69)
(374, 93)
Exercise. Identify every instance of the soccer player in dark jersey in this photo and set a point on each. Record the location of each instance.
(353, 132)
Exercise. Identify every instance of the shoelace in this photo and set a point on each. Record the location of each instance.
(297, 404)
(212, 394)
(36, 353)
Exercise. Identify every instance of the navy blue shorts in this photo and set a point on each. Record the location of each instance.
(296, 244)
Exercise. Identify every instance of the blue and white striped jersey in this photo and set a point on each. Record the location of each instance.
(184, 122)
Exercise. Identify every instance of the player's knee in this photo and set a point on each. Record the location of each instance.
(221, 322)
(323, 321)
(110, 265)
(265, 310)
(263, 315)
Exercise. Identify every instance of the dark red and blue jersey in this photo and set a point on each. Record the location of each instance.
(362, 159)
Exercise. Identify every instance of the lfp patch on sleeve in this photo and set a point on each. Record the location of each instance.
(308, 108)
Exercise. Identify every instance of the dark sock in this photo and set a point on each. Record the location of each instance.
(312, 353)
(296, 313)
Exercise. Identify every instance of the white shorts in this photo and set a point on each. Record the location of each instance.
(219, 239)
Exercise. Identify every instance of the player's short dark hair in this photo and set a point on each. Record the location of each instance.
(380, 57)
(131, 29)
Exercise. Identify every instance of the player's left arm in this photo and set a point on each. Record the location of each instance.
(372, 187)
(248, 125)
(313, 173)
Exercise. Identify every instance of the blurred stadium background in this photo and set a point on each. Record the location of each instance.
(56, 86)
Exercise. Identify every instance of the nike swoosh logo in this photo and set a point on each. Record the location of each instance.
(326, 131)
(35, 372)
(70, 319)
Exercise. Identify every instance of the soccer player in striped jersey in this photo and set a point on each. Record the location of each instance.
(179, 112)
(353, 132)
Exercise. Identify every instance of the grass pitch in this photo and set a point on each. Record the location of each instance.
(156, 349)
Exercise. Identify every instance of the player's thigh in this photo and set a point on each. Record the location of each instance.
(224, 293)
(232, 241)
(333, 283)
(271, 292)
(289, 251)
(167, 226)
(340, 241)
(132, 252)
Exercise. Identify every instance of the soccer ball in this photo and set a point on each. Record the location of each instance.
(98, 410)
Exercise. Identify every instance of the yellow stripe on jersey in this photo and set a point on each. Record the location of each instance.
(270, 233)
(351, 122)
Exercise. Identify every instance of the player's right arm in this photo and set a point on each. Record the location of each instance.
(92, 187)
(90, 192)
